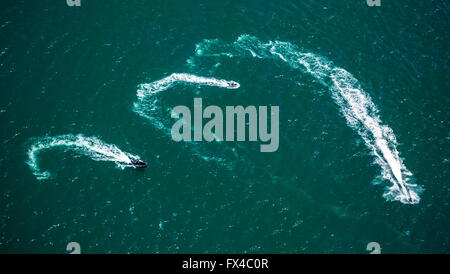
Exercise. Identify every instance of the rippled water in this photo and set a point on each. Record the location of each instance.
(364, 107)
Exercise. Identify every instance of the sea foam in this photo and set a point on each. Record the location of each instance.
(92, 147)
(355, 104)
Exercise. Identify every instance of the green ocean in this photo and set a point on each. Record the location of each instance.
(363, 143)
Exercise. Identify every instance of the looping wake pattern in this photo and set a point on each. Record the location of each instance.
(149, 107)
(354, 103)
(92, 147)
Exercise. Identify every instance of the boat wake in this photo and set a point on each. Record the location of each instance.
(169, 81)
(88, 146)
(355, 104)
(148, 105)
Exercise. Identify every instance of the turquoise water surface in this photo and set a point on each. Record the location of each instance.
(363, 151)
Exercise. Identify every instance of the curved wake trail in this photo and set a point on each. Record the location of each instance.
(88, 146)
(169, 81)
(356, 105)
(147, 104)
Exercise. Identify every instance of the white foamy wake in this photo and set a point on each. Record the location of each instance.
(88, 146)
(148, 105)
(356, 105)
(169, 81)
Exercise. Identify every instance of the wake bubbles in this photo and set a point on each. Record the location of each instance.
(92, 147)
(357, 107)
(169, 81)
(146, 105)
